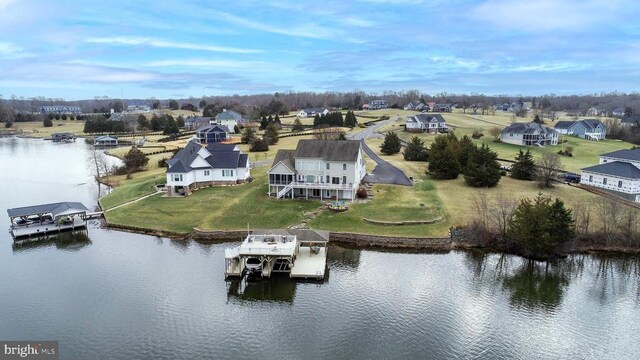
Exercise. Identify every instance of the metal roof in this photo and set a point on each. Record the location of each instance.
(221, 156)
(626, 154)
(54, 208)
(616, 168)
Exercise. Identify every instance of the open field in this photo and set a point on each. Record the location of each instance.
(36, 129)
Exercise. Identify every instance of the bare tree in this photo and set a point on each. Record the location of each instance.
(548, 169)
(500, 211)
(481, 221)
(495, 132)
(608, 211)
(328, 133)
(582, 215)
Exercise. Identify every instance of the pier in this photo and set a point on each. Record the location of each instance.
(261, 255)
(46, 219)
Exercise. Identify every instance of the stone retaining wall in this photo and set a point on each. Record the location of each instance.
(401, 223)
(375, 241)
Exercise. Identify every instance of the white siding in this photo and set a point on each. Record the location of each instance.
(629, 186)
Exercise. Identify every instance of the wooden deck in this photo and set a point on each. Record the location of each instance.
(37, 229)
(309, 265)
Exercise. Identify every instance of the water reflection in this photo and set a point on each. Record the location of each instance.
(274, 289)
(535, 285)
(69, 241)
(615, 276)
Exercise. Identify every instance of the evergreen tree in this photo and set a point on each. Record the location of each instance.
(483, 169)
(259, 144)
(143, 123)
(263, 123)
(270, 119)
(47, 122)
(271, 134)
(297, 125)
(350, 120)
(135, 159)
(538, 120)
(391, 144)
(467, 147)
(180, 122)
(524, 168)
(316, 121)
(415, 150)
(444, 158)
(170, 127)
(248, 135)
(277, 119)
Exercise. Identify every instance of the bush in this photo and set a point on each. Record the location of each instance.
(259, 144)
(135, 159)
(503, 173)
(8, 124)
(162, 162)
(64, 117)
(477, 134)
(362, 193)
(47, 122)
(57, 117)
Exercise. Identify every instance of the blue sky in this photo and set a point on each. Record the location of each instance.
(164, 49)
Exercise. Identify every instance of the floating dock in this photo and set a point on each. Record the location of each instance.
(46, 219)
(264, 254)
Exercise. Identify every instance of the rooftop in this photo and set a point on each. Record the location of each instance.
(56, 209)
(616, 168)
(626, 154)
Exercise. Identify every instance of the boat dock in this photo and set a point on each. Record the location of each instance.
(51, 218)
(282, 252)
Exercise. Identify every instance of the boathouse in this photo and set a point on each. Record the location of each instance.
(48, 218)
(106, 140)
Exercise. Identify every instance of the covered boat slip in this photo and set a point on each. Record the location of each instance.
(279, 251)
(48, 218)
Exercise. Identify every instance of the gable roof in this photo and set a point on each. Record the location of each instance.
(213, 147)
(328, 150)
(527, 128)
(630, 119)
(229, 115)
(216, 128)
(616, 168)
(106, 138)
(626, 154)
(54, 208)
(181, 161)
(564, 124)
(286, 157)
(591, 124)
(220, 156)
(426, 118)
(314, 110)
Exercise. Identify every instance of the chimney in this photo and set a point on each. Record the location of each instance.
(224, 110)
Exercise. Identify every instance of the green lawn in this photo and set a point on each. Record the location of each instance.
(140, 184)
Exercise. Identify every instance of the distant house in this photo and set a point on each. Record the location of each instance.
(630, 120)
(378, 104)
(311, 112)
(229, 118)
(63, 137)
(529, 134)
(415, 105)
(59, 109)
(322, 169)
(196, 166)
(433, 123)
(589, 129)
(441, 108)
(618, 112)
(189, 107)
(208, 134)
(138, 109)
(106, 140)
(126, 117)
(618, 172)
(194, 122)
(594, 111)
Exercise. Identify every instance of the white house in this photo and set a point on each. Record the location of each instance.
(311, 112)
(196, 166)
(229, 118)
(433, 123)
(378, 104)
(415, 105)
(59, 109)
(618, 173)
(529, 134)
(319, 169)
(588, 129)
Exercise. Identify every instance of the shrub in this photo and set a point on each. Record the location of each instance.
(57, 117)
(47, 122)
(259, 145)
(162, 162)
(477, 134)
(503, 173)
(8, 124)
(362, 193)
(64, 117)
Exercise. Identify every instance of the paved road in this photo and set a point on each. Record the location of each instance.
(383, 173)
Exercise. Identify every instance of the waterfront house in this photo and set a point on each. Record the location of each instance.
(529, 134)
(441, 108)
(59, 109)
(63, 137)
(311, 112)
(229, 118)
(197, 166)
(208, 134)
(415, 105)
(192, 123)
(588, 129)
(322, 169)
(378, 104)
(564, 127)
(432, 123)
(618, 172)
(106, 140)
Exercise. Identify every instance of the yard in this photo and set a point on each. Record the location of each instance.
(36, 129)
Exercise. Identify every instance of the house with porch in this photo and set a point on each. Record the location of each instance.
(588, 129)
(415, 105)
(196, 166)
(318, 169)
(378, 104)
(208, 134)
(311, 112)
(529, 134)
(432, 123)
(194, 122)
(229, 118)
(618, 172)
(106, 140)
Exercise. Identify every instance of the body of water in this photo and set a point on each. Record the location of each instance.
(109, 294)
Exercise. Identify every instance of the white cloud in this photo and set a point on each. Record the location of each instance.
(136, 41)
(11, 51)
(309, 30)
(357, 21)
(5, 3)
(547, 15)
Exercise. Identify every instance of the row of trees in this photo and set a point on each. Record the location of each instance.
(99, 124)
(265, 121)
(333, 119)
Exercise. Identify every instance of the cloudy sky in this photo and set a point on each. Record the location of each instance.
(142, 49)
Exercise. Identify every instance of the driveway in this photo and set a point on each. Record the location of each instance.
(383, 173)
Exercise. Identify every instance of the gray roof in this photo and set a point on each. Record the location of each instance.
(328, 150)
(314, 110)
(564, 124)
(287, 158)
(106, 138)
(207, 128)
(53, 208)
(627, 154)
(229, 115)
(616, 168)
(222, 157)
(591, 124)
(427, 118)
(197, 120)
(527, 128)
(630, 119)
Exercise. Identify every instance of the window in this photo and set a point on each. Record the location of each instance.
(207, 172)
(590, 178)
(619, 183)
(604, 181)
(227, 173)
(344, 179)
(328, 179)
(344, 166)
(177, 177)
(328, 166)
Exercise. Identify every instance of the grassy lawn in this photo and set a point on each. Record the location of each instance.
(35, 128)
(215, 208)
(140, 184)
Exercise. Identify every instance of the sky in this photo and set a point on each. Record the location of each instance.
(178, 49)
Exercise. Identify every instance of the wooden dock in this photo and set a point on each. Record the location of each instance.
(309, 265)
(44, 229)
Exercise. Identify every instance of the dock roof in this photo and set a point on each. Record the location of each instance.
(55, 209)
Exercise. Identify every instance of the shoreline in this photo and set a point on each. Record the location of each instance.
(372, 242)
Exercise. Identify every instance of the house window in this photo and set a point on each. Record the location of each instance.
(619, 183)
(207, 173)
(177, 177)
(328, 179)
(344, 166)
(590, 178)
(328, 166)
(604, 181)
(344, 179)
(227, 173)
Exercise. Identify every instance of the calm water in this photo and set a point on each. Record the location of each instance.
(127, 296)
